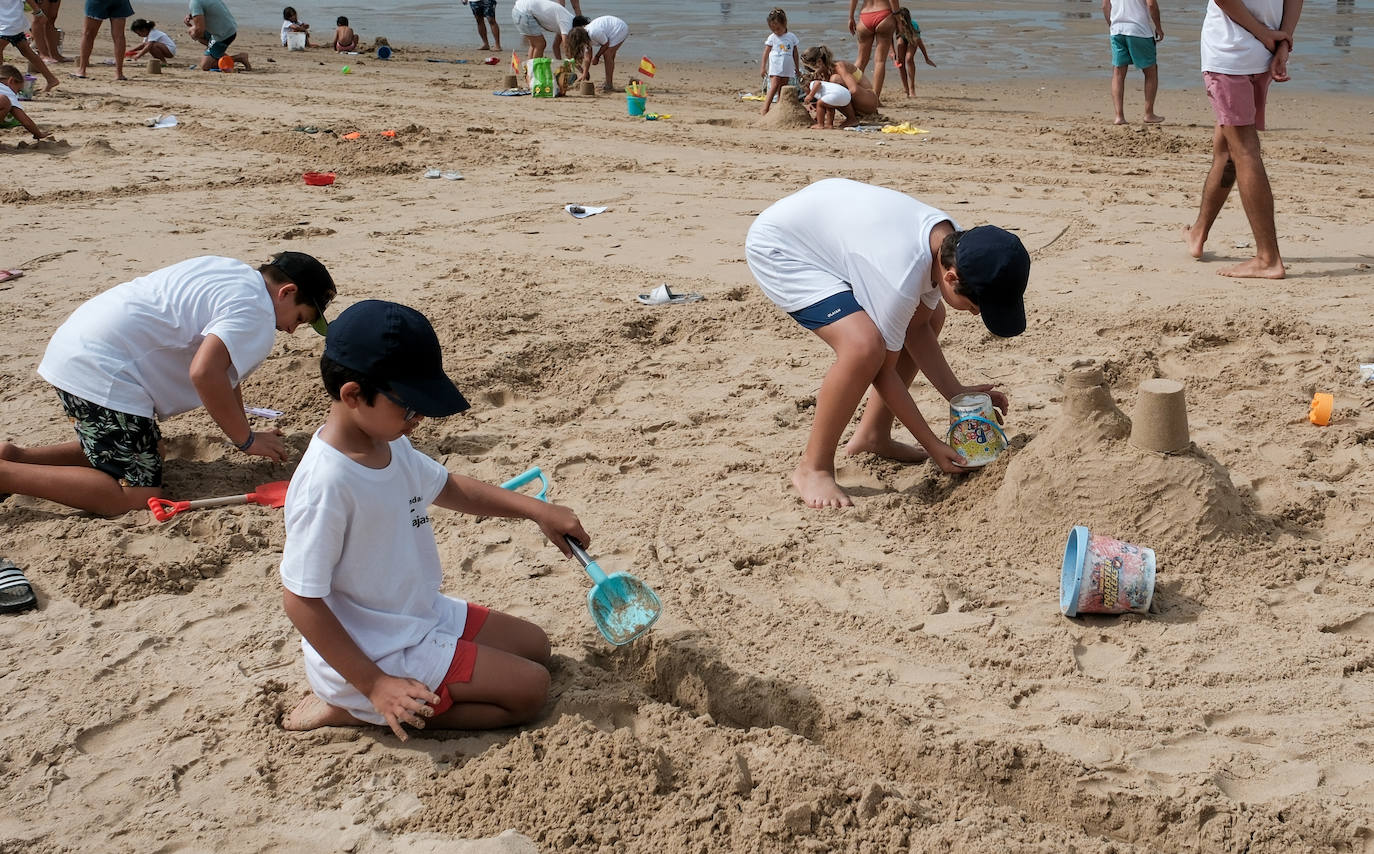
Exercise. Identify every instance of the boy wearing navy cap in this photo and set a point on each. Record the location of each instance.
(870, 271)
(360, 567)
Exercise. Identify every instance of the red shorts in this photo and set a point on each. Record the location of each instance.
(1238, 99)
(464, 657)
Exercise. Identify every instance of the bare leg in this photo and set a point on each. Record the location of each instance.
(774, 84)
(242, 59)
(608, 60)
(1220, 177)
(874, 433)
(865, 37)
(1119, 93)
(61, 473)
(1258, 199)
(859, 353)
(32, 56)
(495, 33)
(482, 31)
(89, 28)
(536, 46)
(1151, 90)
(883, 35)
(117, 34)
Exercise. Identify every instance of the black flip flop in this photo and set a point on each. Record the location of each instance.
(16, 594)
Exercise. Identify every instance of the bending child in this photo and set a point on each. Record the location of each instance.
(823, 66)
(870, 271)
(156, 43)
(360, 567)
(11, 114)
(605, 34)
(779, 62)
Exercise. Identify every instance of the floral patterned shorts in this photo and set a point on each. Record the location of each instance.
(123, 446)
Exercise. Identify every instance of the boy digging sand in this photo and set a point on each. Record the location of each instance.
(360, 567)
(870, 271)
(11, 81)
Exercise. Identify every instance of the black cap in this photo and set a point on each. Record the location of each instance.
(394, 346)
(993, 270)
(311, 278)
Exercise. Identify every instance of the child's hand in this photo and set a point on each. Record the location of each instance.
(949, 460)
(402, 701)
(47, 134)
(558, 522)
(999, 400)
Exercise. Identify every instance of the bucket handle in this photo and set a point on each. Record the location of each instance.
(949, 434)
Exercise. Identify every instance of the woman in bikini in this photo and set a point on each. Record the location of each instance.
(823, 66)
(877, 22)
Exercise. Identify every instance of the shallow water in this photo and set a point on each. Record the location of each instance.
(970, 40)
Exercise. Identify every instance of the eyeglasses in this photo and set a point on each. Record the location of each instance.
(408, 414)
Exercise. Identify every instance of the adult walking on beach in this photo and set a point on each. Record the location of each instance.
(45, 30)
(114, 11)
(822, 65)
(1245, 47)
(877, 23)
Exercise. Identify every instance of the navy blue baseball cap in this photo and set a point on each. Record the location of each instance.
(394, 346)
(993, 270)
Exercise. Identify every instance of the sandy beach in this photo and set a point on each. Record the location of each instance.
(894, 677)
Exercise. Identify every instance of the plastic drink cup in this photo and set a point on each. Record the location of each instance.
(634, 105)
(1101, 575)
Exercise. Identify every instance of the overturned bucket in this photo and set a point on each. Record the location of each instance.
(1101, 575)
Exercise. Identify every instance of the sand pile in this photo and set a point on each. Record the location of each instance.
(1081, 471)
(788, 112)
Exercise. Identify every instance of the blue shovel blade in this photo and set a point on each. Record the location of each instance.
(623, 607)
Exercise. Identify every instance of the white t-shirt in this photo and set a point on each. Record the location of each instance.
(11, 94)
(838, 235)
(551, 16)
(360, 539)
(13, 21)
(780, 62)
(130, 348)
(1132, 18)
(156, 35)
(1228, 48)
(607, 30)
(286, 29)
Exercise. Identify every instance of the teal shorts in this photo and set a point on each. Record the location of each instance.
(1133, 50)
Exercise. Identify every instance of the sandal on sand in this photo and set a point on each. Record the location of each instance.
(16, 594)
(10, 275)
(661, 295)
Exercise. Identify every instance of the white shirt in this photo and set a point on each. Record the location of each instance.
(780, 62)
(7, 92)
(550, 15)
(156, 35)
(1228, 48)
(1132, 18)
(607, 30)
(13, 21)
(130, 348)
(360, 539)
(838, 235)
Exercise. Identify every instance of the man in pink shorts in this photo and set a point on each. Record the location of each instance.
(1245, 47)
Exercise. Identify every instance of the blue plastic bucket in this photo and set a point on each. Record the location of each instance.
(635, 105)
(1101, 575)
(384, 52)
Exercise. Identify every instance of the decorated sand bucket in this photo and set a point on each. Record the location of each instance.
(1101, 575)
(634, 105)
(978, 440)
(974, 404)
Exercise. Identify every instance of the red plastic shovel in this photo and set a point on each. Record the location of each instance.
(268, 495)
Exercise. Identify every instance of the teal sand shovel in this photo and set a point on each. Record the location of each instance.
(622, 606)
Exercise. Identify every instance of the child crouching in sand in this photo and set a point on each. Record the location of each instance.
(846, 76)
(156, 43)
(361, 569)
(11, 81)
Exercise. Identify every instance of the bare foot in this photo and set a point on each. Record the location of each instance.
(1152, 119)
(1120, 120)
(1254, 269)
(312, 713)
(849, 123)
(1194, 240)
(819, 489)
(121, 77)
(818, 127)
(888, 447)
(246, 66)
(52, 84)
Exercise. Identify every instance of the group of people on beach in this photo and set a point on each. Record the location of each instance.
(360, 568)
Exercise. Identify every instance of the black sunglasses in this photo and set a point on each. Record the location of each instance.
(409, 414)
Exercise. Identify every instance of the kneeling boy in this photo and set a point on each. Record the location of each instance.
(361, 569)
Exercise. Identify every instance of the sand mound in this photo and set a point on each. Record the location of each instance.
(1081, 471)
(788, 112)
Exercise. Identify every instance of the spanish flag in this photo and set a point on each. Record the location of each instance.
(515, 62)
(646, 67)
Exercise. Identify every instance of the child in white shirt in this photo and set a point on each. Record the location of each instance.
(156, 43)
(779, 62)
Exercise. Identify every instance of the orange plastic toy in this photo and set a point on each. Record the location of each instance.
(1320, 411)
(226, 64)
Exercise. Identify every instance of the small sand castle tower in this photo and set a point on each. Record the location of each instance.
(788, 112)
(1081, 470)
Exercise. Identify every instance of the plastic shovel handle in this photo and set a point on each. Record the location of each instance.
(521, 479)
(598, 575)
(164, 509)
